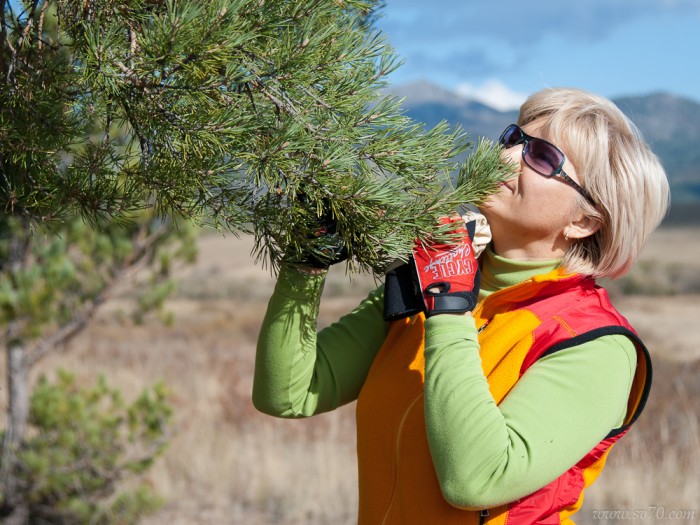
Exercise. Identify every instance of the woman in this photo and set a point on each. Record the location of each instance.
(505, 411)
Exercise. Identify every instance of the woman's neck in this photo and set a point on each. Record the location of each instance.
(499, 272)
(538, 250)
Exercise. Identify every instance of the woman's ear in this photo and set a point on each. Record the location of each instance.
(582, 227)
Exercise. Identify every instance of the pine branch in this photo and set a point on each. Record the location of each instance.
(225, 112)
(131, 264)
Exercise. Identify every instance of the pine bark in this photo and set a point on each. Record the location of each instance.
(15, 430)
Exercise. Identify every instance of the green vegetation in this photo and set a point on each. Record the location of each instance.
(120, 118)
(82, 442)
(52, 283)
(225, 112)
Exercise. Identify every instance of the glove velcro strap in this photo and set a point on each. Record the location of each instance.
(457, 302)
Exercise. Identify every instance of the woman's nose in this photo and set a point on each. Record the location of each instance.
(513, 155)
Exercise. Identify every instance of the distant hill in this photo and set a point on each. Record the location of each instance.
(670, 124)
(428, 103)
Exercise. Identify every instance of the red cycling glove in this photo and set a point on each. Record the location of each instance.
(448, 274)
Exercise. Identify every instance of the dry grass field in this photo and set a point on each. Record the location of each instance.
(227, 464)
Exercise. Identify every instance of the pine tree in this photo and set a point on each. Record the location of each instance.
(249, 116)
(255, 116)
(51, 286)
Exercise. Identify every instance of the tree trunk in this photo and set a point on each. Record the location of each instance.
(19, 516)
(18, 382)
(17, 418)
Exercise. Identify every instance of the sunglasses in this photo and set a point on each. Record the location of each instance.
(542, 156)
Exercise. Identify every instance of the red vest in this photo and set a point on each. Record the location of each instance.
(517, 326)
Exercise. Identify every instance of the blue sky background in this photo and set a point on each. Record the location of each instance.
(500, 51)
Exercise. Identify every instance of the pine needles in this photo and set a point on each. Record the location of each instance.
(224, 112)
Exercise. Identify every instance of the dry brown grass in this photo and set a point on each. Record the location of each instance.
(228, 464)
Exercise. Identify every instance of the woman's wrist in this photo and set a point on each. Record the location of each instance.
(309, 270)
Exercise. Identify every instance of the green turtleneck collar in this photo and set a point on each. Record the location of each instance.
(498, 272)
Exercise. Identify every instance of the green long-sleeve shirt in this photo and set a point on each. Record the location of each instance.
(559, 410)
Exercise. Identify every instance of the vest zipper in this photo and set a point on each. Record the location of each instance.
(397, 452)
(483, 515)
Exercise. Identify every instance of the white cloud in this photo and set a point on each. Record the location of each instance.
(493, 93)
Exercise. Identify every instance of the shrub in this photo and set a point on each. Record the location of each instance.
(83, 444)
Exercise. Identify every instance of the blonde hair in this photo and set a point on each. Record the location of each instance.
(615, 166)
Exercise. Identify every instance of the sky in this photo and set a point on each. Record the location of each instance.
(500, 51)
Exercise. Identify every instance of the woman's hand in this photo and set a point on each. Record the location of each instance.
(448, 274)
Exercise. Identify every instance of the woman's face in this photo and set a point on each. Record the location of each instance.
(531, 210)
